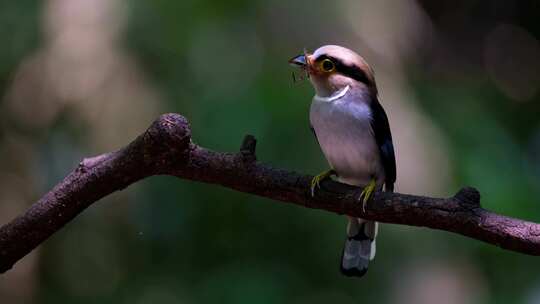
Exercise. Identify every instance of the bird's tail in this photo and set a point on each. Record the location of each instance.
(359, 247)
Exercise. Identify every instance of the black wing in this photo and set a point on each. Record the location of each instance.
(383, 137)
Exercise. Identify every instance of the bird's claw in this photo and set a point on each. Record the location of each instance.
(317, 179)
(366, 193)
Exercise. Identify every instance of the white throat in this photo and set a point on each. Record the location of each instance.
(334, 96)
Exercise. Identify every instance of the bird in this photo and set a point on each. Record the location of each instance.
(353, 132)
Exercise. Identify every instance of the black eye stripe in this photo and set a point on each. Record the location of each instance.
(353, 72)
(350, 71)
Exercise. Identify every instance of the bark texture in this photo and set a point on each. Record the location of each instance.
(166, 149)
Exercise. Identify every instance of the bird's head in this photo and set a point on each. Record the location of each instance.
(332, 68)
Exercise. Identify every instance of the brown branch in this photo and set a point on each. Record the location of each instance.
(166, 149)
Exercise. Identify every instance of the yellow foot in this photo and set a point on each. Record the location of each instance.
(315, 182)
(366, 193)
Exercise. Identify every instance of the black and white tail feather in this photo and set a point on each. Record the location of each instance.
(359, 247)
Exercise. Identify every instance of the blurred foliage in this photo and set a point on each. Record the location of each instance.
(19, 29)
(223, 66)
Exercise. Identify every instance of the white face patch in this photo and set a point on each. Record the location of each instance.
(335, 96)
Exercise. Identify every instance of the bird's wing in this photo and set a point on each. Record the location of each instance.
(383, 137)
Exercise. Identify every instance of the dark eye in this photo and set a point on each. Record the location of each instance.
(327, 65)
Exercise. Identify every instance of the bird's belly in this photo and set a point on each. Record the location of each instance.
(348, 145)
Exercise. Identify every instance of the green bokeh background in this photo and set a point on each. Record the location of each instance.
(222, 64)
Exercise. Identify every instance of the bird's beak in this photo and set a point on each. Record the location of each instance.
(302, 61)
(299, 61)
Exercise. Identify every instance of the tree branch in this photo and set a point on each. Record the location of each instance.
(166, 149)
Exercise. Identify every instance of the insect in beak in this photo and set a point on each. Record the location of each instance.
(300, 61)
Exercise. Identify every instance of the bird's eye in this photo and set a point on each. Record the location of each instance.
(327, 65)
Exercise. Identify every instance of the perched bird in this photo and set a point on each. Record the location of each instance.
(353, 132)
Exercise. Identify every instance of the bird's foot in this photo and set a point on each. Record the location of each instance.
(366, 193)
(315, 182)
